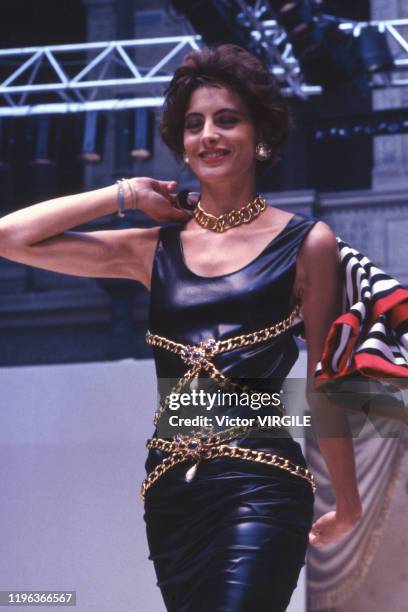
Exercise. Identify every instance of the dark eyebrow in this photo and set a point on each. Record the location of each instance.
(221, 110)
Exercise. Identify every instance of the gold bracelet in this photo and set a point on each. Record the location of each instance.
(121, 199)
(133, 194)
(121, 183)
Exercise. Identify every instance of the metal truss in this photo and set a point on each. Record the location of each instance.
(115, 75)
(89, 76)
(276, 49)
(396, 31)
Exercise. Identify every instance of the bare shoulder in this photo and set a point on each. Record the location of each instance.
(318, 259)
(320, 242)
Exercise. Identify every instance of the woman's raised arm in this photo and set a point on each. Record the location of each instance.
(40, 236)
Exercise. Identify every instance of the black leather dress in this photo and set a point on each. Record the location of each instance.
(234, 538)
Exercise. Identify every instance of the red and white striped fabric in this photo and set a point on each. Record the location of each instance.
(370, 338)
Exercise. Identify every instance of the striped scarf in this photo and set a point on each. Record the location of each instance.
(370, 338)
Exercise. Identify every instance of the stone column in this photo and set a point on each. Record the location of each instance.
(390, 169)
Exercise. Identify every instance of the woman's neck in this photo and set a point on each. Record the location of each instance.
(219, 199)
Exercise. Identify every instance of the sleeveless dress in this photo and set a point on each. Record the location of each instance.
(234, 538)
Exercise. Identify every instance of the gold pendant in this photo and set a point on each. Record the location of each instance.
(191, 472)
(194, 384)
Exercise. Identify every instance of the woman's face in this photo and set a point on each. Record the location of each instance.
(219, 135)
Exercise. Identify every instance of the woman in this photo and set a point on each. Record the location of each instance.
(226, 531)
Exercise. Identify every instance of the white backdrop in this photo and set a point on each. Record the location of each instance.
(72, 444)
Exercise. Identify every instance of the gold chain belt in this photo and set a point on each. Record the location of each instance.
(200, 448)
(198, 357)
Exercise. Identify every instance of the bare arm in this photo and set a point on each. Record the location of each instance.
(321, 304)
(40, 235)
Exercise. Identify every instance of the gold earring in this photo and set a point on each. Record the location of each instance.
(263, 151)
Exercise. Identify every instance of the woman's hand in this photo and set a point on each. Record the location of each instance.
(330, 528)
(158, 200)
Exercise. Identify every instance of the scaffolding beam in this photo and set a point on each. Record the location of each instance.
(114, 75)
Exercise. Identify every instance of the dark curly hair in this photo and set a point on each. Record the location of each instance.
(229, 66)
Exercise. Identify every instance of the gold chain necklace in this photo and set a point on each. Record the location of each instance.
(231, 219)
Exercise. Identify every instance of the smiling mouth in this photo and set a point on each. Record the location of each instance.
(213, 156)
